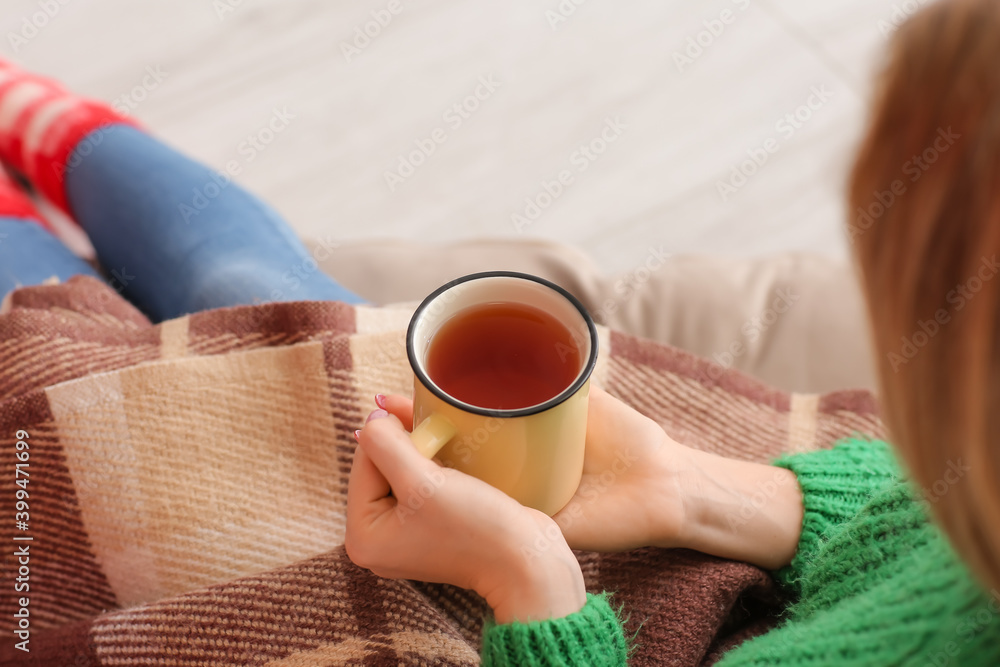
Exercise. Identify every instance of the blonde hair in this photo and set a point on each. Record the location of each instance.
(924, 198)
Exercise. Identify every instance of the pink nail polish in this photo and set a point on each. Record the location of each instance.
(380, 400)
(377, 414)
(357, 435)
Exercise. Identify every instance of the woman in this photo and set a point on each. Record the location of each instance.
(886, 570)
(877, 581)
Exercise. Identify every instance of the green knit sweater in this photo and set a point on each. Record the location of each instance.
(875, 584)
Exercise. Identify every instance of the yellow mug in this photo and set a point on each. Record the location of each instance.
(534, 454)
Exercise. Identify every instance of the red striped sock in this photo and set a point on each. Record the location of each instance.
(41, 124)
(15, 203)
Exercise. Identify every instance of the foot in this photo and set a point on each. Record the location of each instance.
(14, 201)
(41, 124)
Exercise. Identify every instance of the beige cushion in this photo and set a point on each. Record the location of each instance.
(795, 321)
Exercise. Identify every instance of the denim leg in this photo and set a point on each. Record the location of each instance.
(184, 237)
(30, 254)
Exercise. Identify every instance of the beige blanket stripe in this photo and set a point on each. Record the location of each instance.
(241, 496)
(802, 423)
(174, 338)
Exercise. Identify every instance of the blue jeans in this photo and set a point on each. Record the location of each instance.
(176, 236)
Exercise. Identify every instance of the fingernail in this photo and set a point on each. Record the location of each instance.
(380, 400)
(357, 435)
(377, 414)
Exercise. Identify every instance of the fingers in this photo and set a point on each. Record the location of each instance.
(367, 500)
(389, 448)
(597, 392)
(366, 483)
(601, 405)
(399, 406)
(601, 401)
(564, 518)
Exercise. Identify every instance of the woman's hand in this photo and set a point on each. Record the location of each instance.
(641, 488)
(633, 489)
(410, 518)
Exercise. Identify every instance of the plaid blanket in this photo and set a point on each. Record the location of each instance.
(182, 489)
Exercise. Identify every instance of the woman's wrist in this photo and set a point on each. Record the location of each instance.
(536, 577)
(739, 510)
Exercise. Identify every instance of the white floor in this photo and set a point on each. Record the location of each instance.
(209, 74)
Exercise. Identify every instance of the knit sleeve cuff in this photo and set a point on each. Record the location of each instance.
(592, 636)
(836, 483)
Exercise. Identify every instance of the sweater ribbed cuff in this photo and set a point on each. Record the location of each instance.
(836, 483)
(592, 636)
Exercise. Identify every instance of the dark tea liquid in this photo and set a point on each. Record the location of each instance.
(503, 356)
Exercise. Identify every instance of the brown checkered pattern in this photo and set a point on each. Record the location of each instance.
(188, 484)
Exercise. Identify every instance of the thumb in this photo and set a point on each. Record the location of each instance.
(387, 444)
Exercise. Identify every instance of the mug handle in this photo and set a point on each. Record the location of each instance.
(432, 434)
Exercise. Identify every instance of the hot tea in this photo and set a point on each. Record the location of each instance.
(503, 356)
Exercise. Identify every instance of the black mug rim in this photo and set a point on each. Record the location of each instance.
(582, 378)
